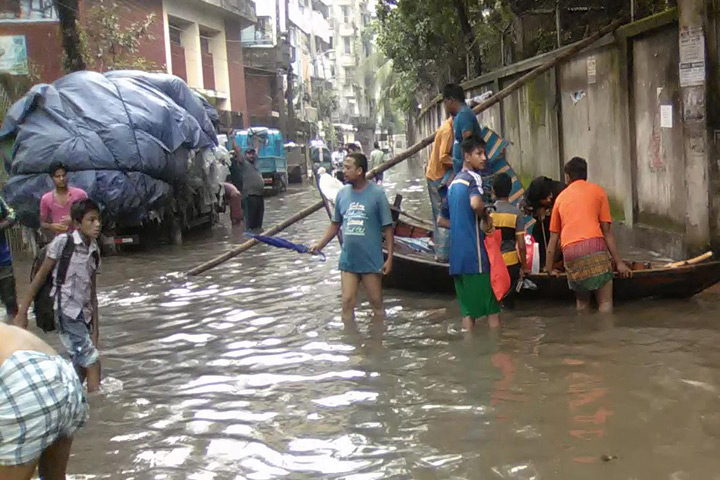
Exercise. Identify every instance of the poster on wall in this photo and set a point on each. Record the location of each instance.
(692, 56)
(13, 55)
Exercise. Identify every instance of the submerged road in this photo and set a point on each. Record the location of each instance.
(248, 372)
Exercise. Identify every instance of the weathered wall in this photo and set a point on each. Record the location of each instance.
(593, 123)
(609, 114)
(660, 163)
(532, 117)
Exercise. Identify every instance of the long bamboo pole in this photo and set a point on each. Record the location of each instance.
(418, 146)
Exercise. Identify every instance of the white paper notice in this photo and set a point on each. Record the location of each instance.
(666, 116)
(592, 70)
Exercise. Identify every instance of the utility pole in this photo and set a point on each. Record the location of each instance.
(280, 45)
(693, 25)
(290, 96)
(557, 23)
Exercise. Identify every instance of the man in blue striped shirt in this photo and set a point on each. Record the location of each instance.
(464, 214)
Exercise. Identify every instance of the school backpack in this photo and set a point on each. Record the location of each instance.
(44, 304)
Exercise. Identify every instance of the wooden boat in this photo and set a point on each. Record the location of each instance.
(419, 272)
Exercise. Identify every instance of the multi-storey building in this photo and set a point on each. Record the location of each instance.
(353, 48)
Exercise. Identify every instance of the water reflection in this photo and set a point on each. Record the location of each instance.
(248, 372)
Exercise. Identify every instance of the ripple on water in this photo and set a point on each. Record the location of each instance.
(249, 372)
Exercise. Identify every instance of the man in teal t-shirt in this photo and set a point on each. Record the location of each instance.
(465, 123)
(363, 212)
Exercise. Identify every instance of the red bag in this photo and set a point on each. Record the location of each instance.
(499, 275)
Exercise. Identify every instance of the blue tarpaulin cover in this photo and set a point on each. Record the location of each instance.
(125, 137)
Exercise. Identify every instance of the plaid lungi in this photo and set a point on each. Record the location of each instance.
(587, 264)
(41, 400)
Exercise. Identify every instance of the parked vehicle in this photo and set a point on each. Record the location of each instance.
(297, 164)
(271, 157)
(320, 156)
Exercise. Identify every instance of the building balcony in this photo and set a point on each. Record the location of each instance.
(267, 58)
(243, 10)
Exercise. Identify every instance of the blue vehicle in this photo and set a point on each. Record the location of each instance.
(272, 159)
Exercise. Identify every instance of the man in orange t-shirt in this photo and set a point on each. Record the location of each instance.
(438, 174)
(581, 221)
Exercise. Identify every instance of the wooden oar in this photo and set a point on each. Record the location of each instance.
(532, 75)
(692, 261)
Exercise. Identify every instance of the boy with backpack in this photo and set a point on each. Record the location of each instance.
(511, 223)
(73, 259)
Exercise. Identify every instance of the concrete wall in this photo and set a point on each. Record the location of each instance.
(593, 123)
(659, 151)
(603, 104)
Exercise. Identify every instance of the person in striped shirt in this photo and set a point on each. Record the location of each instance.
(508, 218)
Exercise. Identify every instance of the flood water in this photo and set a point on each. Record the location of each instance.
(248, 372)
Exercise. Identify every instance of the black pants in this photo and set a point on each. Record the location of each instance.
(254, 212)
(509, 300)
(7, 290)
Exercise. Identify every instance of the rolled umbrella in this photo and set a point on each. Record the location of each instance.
(283, 243)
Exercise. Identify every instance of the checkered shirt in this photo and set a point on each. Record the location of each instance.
(41, 400)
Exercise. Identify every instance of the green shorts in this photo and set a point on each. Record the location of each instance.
(475, 295)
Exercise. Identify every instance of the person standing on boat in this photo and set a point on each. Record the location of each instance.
(582, 224)
(465, 123)
(439, 174)
(465, 215)
(363, 212)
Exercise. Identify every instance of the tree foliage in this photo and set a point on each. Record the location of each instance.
(109, 45)
(429, 43)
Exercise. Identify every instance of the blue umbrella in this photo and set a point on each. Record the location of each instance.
(282, 243)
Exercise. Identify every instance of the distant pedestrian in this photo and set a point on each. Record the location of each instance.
(252, 187)
(55, 204)
(42, 406)
(7, 275)
(74, 290)
(582, 224)
(465, 215)
(363, 212)
(376, 159)
(509, 220)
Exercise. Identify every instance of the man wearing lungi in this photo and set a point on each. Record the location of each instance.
(582, 223)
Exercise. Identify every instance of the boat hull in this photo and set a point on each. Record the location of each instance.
(413, 273)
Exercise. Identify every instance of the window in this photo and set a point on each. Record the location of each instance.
(346, 13)
(205, 45)
(175, 36)
(27, 10)
(348, 45)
